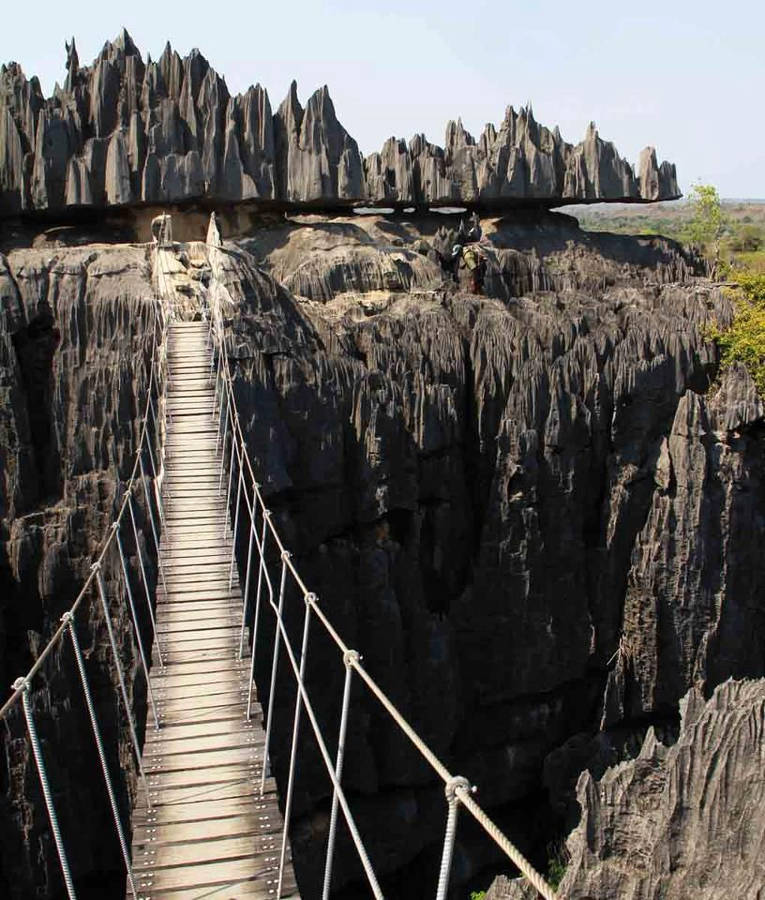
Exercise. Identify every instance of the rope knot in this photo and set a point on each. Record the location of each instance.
(286, 555)
(115, 526)
(350, 657)
(310, 599)
(267, 513)
(96, 566)
(21, 684)
(67, 617)
(457, 782)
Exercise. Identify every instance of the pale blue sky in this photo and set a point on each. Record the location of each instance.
(688, 77)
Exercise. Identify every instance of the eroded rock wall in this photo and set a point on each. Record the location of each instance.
(75, 344)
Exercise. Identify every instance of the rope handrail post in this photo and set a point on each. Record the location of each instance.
(145, 581)
(245, 598)
(236, 521)
(309, 599)
(136, 624)
(222, 418)
(68, 618)
(23, 685)
(274, 669)
(345, 709)
(450, 834)
(154, 531)
(256, 616)
(121, 677)
(223, 459)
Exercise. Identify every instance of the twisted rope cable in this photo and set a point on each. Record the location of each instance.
(22, 685)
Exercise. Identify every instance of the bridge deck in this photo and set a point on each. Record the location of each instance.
(210, 833)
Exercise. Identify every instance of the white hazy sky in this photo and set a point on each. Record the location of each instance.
(687, 77)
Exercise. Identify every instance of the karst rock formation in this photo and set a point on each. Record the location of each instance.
(536, 512)
(127, 131)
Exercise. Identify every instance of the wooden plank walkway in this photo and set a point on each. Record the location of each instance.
(209, 833)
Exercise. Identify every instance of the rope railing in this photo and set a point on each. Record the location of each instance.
(259, 522)
(124, 520)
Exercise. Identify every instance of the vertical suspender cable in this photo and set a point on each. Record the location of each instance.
(274, 668)
(256, 616)
(139, 639)
(145, 581)
(338, 770)
(309, 600)
(236, 517)
(451, 831)
(69, 619)
(40, 763)
(121, 677)
(246, 597)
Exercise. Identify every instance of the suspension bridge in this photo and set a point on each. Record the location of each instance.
(207, 821)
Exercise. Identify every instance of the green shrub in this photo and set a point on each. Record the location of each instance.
(477, 895)
(557, 862)
(744, 341)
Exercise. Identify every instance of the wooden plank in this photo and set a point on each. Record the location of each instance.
(210, 829)
(212, 873)
(265, 846)
(225, 740)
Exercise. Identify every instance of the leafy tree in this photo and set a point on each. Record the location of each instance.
(707, 219)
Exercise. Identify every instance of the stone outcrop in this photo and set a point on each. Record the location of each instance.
(679, 821)
(123, 131)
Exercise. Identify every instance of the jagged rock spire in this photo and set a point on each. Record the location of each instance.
(123, 131)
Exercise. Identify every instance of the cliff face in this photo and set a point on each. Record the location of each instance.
(513, 505)
(123, 131)
(75, 340)
(521, 508)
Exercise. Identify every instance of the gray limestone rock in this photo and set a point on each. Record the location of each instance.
(683, 820)
(184, 137)
(76, 328)
(479, 489)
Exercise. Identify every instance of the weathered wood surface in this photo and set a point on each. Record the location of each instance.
(209, 833)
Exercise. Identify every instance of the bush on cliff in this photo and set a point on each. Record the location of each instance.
(744, 341)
